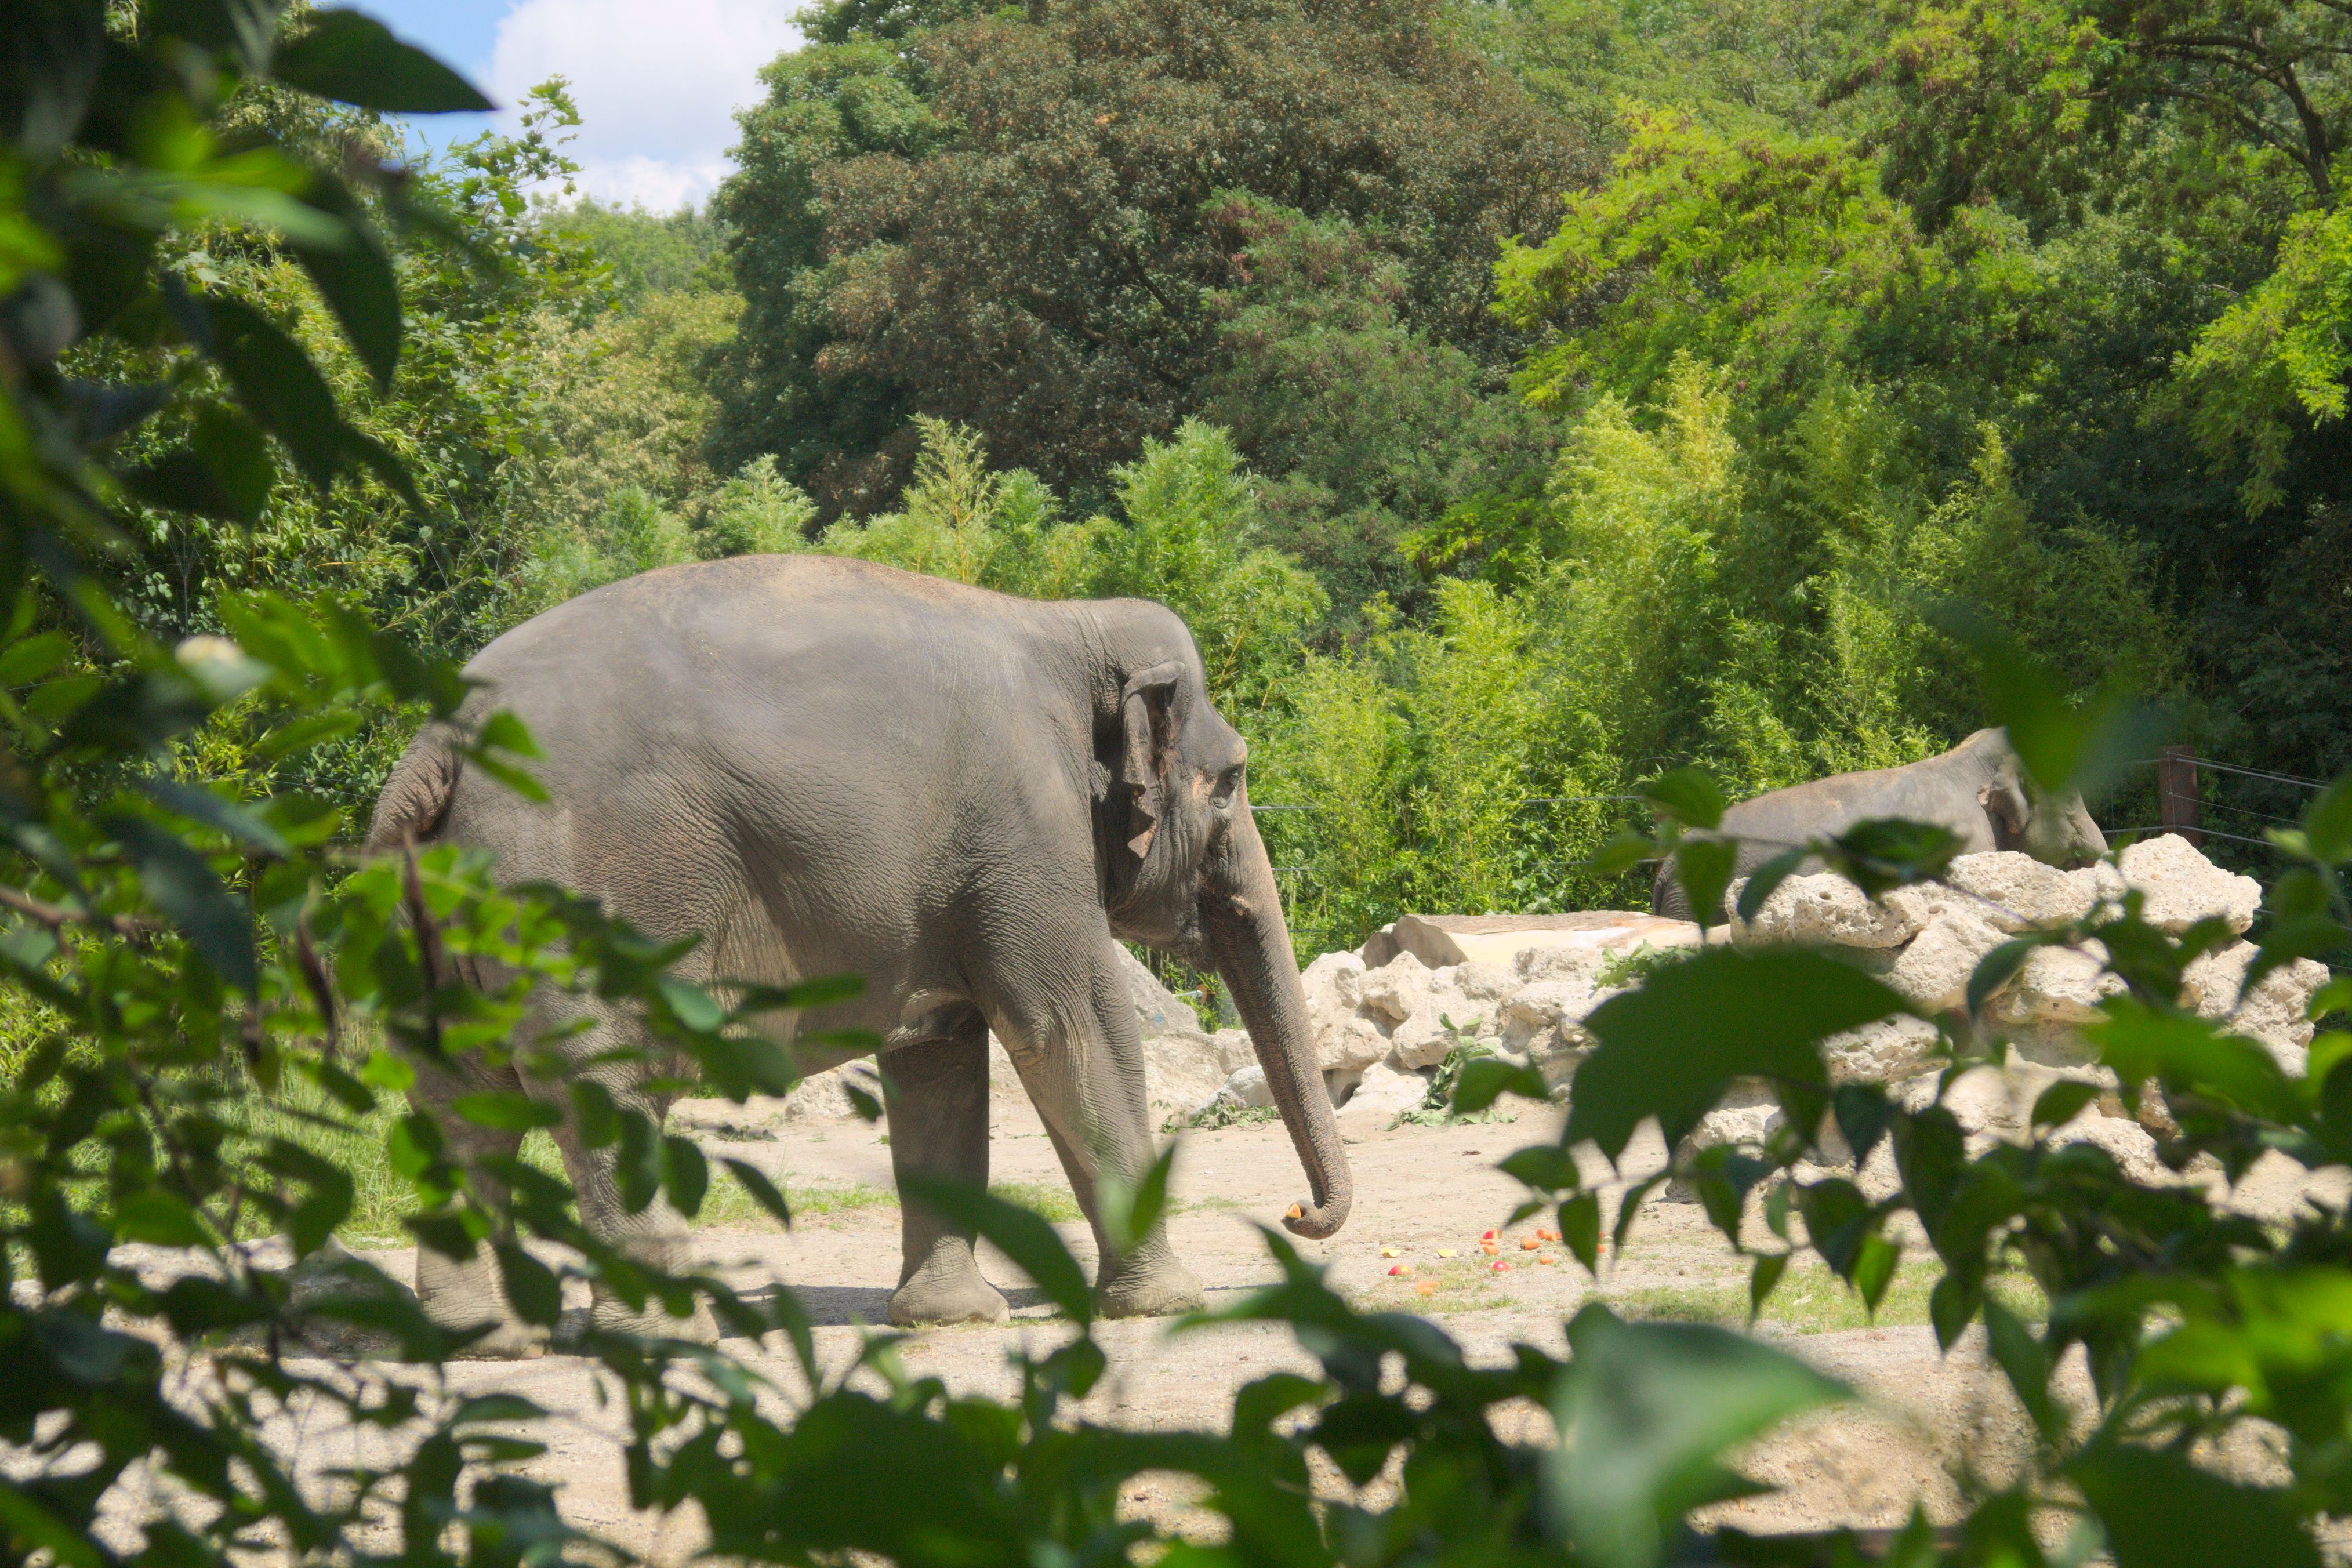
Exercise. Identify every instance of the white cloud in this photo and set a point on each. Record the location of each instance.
(657, 85)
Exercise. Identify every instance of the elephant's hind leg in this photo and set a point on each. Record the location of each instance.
(938, 1127)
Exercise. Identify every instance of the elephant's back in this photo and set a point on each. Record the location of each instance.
(754, 728)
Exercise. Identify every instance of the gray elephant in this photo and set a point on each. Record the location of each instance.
(829, 766)
(1976, 789)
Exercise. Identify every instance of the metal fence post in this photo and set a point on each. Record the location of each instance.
(2175, 792)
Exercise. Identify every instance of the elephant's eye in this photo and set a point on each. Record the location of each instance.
(1227, 783)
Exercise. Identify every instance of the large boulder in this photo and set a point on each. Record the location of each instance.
(1825, 911)
(1888, 1051)
(1380, 1098)
(2178, 886)
(2016, 892)
(1932, 972)
(2272, 1011)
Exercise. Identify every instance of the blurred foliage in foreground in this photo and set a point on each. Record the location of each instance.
(189, 948)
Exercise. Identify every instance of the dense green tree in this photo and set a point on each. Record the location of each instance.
(1008, 222)
(1366, 429)
(650, 253)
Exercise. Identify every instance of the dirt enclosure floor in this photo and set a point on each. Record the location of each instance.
(1925, 1422)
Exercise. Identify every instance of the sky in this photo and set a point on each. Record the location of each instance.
(658, 81)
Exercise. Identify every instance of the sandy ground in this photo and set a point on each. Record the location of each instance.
(1923, 1424)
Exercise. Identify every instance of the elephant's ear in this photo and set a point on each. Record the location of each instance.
(1147, 715)
(2004, 802)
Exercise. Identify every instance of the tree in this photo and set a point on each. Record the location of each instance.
(1006, 223)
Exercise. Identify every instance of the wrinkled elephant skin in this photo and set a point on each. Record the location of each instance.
(1976, 789)
(826, 766)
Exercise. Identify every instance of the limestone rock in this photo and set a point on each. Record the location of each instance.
(1825, 911)
(2272, 1012)
(2181, 887)
(2125, 1141)
(1737, 1124)
(1890, 1051)
(1232, 1048)
(1419, 1042)
(1381, 1096)
(1346, 1042)
(2017, 891)
(1535, 963)
(2056, 985)
(1397, 989)
(1331, 980)
(1248, 1087)
(1158, 1010)
(1180, 1073)
(1932, 972)
(825, 1096)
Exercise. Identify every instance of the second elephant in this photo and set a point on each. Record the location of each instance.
(1976, 789)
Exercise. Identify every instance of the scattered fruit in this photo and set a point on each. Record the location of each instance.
(1502, 1268)
(1445, 1252)
(1546, 1236)
(1388, 1252)
(1427, 1287)
(1488, 1249)
(1401, 1268)
(1546, 1258)
(1527, 1245)
(1489, 1237)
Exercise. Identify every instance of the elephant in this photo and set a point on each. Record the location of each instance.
(824, 765)
(1976, 789)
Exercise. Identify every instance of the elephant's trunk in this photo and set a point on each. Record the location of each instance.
(1242, 911)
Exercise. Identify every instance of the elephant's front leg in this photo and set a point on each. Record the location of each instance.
(1083, 1066)
(938, 1127)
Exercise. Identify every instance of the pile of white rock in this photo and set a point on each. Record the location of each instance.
(1925, 942)
(1385, 1017)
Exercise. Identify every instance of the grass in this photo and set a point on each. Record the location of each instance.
(1813, 1300)
(1220, 1114)
(380, 1197)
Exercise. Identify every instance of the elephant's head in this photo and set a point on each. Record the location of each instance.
(1184, 871)
(2057, 829)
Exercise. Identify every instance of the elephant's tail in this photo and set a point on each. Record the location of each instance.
(417, 797)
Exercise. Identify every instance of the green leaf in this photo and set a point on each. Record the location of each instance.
(2161, 1511)
(2186, 1052)
(1704, 867)
(1997, 969)
(356, 279)
(1874, 1270)
(1129, 1213)
(1543, 1167)
(280, 386)
(1485, 1079)
(764, 1191)
(2062, 1102)
(226, 816)
(1688, 796)
(686, 1173)
(1580, 1227)
(1019, 1234)
(1887, 853)
(176, 880)
(504, 1111)
(2327, 823)
(155, 1216)
(1951, 1305)
(1646, 1412)
(1761, 1280)
(1767, 878)
(355, 59)
(1672, 1047)
(532, 1287)
(2026, 1364)
(693, 1006)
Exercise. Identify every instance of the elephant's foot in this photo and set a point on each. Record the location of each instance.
(1157, 1287)
(513, 1340)
(948, 1292)
(611, 1315)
